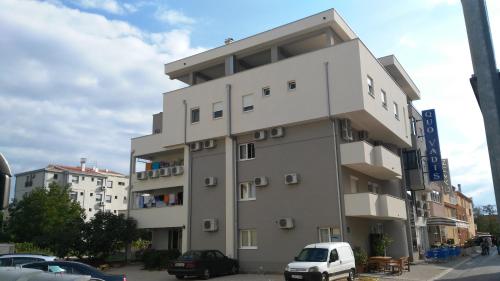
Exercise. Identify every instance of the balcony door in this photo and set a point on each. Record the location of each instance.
(175, 239)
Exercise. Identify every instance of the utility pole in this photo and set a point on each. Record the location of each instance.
(485, 81)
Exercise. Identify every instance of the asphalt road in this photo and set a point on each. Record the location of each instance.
(480, 268)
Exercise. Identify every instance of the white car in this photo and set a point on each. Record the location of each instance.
(322, 262)
(19, 259)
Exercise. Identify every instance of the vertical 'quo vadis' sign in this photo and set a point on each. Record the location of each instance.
(434, 164)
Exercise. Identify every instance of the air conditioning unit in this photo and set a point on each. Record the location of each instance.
(101, 203)
(141, 175)
(209, 144)
(177, 170)
(260, 181)
(291, 178)
(259, 135)
(165, 172)
(210, 181)
(345, 126)
(210, 225)
(363, 135)
(277, 132)
(419, 213)
(286, 223)
(195, 146)
(427, 214)
(153, 174)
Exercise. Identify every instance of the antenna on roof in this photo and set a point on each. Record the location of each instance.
(228, 41)
(83, 160)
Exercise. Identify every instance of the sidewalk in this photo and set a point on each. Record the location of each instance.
(421, 272)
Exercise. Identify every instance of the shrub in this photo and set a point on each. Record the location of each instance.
(360, 256)
(30, 248)
(158, 259)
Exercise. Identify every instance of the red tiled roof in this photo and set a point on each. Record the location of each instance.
(89, 171)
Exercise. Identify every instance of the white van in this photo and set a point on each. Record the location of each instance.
(321, 262)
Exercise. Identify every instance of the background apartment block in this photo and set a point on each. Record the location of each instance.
(288, 137)
(95, 189)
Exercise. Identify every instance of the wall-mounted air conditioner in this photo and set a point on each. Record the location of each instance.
(292, 178)
(195, 146)
(285, 223)
(346, 130)
(363, 135)
(209, 144)
(165, 172)
(210, 225)
(259, 135)
(177, 170)
(141, 175)
(260, 181)
(277, 132)
(210, 181)
(153, 174)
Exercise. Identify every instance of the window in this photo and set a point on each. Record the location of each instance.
(75, 179)
(383, 97)
(266, 92)
(91, 194)
(99, 182)
(108, 198)
(29, 180)
(83, 178)
(413, 123)
(114, 211)
(248, 103)
(248, 239)
(92, 179)
(116, 197)
(372, 187)
(73, 196)
(195, 115)
(217, 110)
(247, 191)
(55, 176)
(396, 111)
(81, 193)
(292, 85)
(121, 183)
(369, 82)
(436, 196)
(329, 234)
(98, 197)
(219, 255)
(324, 235)
(109, 184)
(90, 209)
(247, 151)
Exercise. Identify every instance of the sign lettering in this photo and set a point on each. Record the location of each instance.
(432, 142)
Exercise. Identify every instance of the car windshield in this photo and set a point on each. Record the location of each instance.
(313, 255)
(191, 255)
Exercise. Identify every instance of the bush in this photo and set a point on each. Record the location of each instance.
(30, 248)
(360, 256)
(159, 259)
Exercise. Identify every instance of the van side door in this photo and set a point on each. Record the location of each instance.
(334, 266)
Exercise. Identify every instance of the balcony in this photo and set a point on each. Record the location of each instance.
(147, 144)
(154, 180)
(172, 216)
(375, 161)
(377, 206)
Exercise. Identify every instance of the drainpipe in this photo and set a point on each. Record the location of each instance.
(190, 179)
(129, 196)
(336, 156)
(404, 195)
(234, 170)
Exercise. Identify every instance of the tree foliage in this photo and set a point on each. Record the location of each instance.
(486, 219)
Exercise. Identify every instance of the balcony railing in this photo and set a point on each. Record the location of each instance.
(378, 206)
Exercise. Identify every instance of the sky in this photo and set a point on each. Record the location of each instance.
(80, 78)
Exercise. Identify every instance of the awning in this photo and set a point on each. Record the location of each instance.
(447, 222)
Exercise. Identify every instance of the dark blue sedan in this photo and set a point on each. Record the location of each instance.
(76, 268)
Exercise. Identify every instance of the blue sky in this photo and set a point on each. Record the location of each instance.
(81, 77)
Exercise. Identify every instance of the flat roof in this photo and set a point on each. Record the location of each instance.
(303, 26)
(400, 76)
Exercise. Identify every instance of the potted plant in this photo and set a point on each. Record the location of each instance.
(360, 259)
(382, 244)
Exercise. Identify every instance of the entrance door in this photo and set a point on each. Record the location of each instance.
(175, 239)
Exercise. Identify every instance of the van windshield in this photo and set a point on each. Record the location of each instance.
(313, 255)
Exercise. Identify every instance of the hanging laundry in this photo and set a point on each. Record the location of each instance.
(149, 166)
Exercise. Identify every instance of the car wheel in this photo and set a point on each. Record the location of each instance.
(324, 277)
(351, 275)
(206, 274)
(234, 269)
(179, 276)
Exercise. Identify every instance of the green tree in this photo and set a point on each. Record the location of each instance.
(486, 219)
(48, 218)
(106, 233)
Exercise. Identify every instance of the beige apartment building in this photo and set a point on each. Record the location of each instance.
(95, 189)
(288, 137)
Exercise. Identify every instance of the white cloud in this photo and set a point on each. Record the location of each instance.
(173, 17)
(110, 6)
(76, 84)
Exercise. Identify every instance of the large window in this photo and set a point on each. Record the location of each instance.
(329, 234)
(369, 82)
(248, 103)
(248, 239)
(75, 179)
(247, 191)
(73, 196)
(98, 197)
(217, 110)
(195, 115)
(436, 196)
(247, 151)
(108, 198)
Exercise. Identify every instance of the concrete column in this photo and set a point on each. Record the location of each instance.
(192, 78)
(275, 53)
(186, 243)
(396, 230)
(330, 39)
(230, 65)
(488, 82)
(230, 198)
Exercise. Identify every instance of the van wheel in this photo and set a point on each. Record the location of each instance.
(324, 277)
(351, 275)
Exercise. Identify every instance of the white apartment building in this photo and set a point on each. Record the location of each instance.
(285, 138)
(95, 189)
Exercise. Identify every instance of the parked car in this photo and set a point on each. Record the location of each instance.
(28, 274)
(321, 262)
(19, 259)
(76, 268)
(203, 263)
